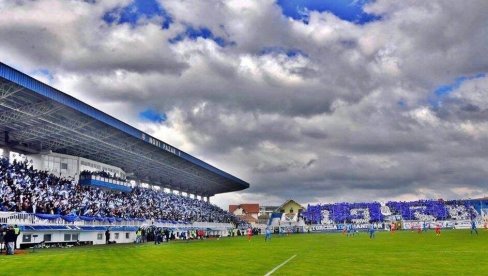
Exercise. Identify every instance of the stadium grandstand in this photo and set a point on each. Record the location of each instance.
(70, 172)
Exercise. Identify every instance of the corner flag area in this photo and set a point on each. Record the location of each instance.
(454, 252)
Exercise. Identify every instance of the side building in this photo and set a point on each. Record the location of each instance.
(248, 212)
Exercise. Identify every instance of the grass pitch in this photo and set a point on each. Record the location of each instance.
(452, 253)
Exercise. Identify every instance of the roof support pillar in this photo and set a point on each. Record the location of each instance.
(6, 153)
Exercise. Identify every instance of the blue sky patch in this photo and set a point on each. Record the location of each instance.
(280, 50)
(444, 90)
(450, 87)
(402, 103)
(136, 10)
(43, 72)
(349, 10)
(193, 34)
(153, 116)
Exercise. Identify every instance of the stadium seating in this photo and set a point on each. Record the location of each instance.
(24, 189)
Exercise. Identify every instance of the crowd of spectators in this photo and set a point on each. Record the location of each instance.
(420, 210)
(363, 212)
(24, 189)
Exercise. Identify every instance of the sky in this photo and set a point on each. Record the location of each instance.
(316, 101)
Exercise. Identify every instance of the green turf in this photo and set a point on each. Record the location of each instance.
(453, 253)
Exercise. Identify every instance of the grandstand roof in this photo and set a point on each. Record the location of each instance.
(35, 118)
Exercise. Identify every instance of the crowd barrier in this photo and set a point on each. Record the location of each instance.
(404, 225)
(12, 218)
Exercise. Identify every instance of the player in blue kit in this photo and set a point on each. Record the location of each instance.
(473, 227)
(371, 231)
(268, 234)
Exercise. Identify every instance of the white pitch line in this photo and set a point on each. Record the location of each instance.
(280, 265)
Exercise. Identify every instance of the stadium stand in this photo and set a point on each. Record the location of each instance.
(340, 212)
(420, 210)
(89, 172)
(24, 189)
(49, 125)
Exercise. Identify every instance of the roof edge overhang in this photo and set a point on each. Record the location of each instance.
(38, 87)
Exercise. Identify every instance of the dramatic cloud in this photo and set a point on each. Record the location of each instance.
(318, 101)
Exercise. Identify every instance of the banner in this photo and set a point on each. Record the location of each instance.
(85, 218)
(47, 216)
(322, 227)
(70, 218)
(415, 225)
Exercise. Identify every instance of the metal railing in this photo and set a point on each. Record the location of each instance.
(12, 218)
